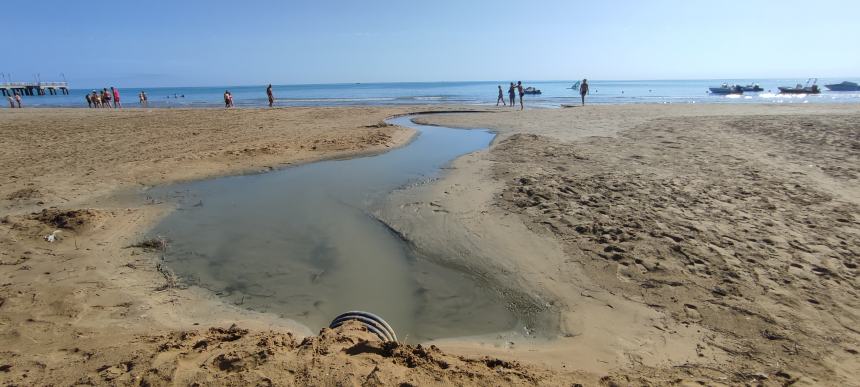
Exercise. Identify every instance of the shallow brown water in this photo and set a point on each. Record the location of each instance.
(299, 242)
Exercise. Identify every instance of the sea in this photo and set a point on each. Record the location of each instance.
(554, 94)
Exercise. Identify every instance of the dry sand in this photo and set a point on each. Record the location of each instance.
(670, 244)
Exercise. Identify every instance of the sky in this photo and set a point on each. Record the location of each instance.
(214, 42)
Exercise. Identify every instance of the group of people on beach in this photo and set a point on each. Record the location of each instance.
(13, 100)
(228, 97)
(512, 91)
(518, 89)
(104, 98)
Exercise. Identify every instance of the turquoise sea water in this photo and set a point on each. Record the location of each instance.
(554, 94)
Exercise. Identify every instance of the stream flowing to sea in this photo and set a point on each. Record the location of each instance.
(299, 242)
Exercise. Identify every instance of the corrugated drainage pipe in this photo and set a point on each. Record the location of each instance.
(371, 321)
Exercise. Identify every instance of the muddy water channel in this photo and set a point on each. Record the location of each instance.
(299, 242)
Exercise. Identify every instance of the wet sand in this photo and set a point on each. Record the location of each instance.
(701, 243)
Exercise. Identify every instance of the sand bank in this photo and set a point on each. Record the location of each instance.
(714, 243)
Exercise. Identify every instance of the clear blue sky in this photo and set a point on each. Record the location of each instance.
(214, 42)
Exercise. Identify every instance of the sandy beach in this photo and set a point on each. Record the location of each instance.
(669, 244)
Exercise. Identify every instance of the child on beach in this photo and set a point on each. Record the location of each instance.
(501, 97)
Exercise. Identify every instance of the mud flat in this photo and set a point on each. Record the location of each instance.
(675, 243)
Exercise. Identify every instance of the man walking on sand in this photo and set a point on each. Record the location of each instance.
(270, 95)
(501, 97)
(522, 92)
(583, 90)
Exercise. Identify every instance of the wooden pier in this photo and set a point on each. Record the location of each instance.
(34, 88)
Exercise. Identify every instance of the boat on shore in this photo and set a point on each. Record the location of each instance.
(843, 86)
(725, 89)
(800, 89)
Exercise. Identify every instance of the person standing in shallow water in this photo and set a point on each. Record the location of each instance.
(501, 97)
(270, 95)
(583, 90)
(522, 92)
(511, 95)
(18, 99)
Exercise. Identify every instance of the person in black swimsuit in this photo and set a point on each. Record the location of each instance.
(511, 95)
(583, 90)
